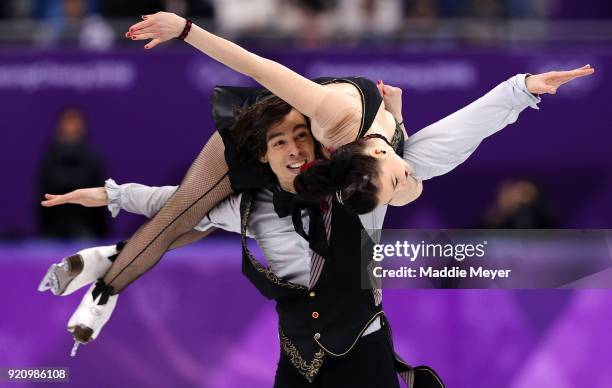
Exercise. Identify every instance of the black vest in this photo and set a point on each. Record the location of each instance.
(330, 317)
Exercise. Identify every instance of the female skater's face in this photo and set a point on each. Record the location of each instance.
(396, 184)
(289, 146)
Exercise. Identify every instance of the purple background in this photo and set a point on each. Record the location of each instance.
(208, 327)
(195, 321)
(150, 127)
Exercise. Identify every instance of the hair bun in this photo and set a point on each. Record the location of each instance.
(342, 164)
(349, 172)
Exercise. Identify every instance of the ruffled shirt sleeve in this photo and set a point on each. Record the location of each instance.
(114, 197)
(148, 200)
(136, 198)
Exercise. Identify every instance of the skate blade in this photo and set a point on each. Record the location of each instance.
(50, 280)
(74, 349)
(56, 279)
(81, 335)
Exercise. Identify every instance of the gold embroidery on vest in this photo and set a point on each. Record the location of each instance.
(308, 369)
(260, 268)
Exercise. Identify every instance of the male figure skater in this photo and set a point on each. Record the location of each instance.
(332, 332)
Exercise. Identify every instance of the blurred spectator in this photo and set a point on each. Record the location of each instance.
(519, 205)
(369, 16)
(422, 14)
(311, 22)
(245, 15)
(483, 21)
(68, 164)
(70, 21)
(95, 33)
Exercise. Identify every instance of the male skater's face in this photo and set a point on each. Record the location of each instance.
(289, 146)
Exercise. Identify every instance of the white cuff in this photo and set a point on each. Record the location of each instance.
(113, 192)
(526, 98)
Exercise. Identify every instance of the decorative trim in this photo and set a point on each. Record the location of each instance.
(260, 268)
(356, 339)
(308, 369)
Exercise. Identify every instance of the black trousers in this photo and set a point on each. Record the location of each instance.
(369, 365)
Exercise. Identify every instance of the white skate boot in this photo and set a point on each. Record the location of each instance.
(89, 318)
(76, 271)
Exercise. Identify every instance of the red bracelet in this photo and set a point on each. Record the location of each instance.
(186, 30)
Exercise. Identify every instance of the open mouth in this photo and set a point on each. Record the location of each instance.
(296, 165)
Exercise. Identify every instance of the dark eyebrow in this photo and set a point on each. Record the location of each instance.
(274, 134)
(277, 134)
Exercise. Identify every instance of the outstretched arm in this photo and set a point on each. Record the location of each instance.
(139, 200)
(442, 146)
(134, 198)
(147, 200)
(304, 95)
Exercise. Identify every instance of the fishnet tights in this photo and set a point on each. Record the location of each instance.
(190, 237)
(205, 185)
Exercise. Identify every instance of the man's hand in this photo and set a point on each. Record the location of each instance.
(549, 82)
(392, 97)
(93, 197)
(159, 27)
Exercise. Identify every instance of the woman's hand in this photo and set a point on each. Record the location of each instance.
(392, 97)
(550, 82)
(158, 27)
(85, 197)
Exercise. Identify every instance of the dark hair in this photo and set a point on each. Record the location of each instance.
(249, 130)
(349, 170)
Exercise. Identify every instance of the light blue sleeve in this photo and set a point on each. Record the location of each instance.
(442, 146)
(226, 216)
(148, 200)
